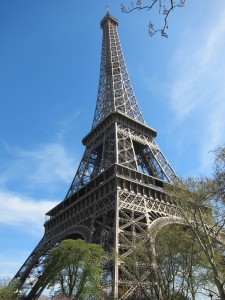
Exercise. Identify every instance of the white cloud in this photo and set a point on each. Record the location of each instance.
(49, 163)
(199, 69)
(67, 125)
(10, 262)
(197, 91)
(19, 211)
(215, 40)
(52, 163)
(216, 133)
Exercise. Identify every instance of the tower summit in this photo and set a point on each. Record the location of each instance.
(117, 192)
(115, 92)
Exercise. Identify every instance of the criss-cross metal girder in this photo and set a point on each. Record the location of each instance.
(129, 142)
(117, 192)
(115, 92)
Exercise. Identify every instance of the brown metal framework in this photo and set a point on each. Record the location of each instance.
(117, 192)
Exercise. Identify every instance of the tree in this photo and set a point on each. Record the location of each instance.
(219, 175)
(75, 267)
(178, 257)
(165, 8)
(180, 260)
(201, 204)
(7, 291)
(173, 272)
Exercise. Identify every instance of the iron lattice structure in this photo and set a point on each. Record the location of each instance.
(117, 192)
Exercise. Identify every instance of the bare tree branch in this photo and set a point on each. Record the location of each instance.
(165, 10)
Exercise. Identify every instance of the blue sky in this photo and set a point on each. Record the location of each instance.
(49, 70)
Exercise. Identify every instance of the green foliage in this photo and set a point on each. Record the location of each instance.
(7, 291)
(74, 266)
(179, 259)
(170, 265)
(201, 205)
(219, 174)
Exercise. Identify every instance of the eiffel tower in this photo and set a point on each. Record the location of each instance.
(117, 192)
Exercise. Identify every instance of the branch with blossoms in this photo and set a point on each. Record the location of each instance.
(165, 9)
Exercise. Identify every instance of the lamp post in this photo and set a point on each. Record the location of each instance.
(210, 295)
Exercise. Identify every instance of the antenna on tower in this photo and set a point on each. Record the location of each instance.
(107, 8)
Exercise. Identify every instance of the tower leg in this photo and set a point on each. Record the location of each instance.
(116, 245)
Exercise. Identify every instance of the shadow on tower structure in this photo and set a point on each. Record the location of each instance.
(117, 192)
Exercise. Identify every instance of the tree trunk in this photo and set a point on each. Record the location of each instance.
(219, 286)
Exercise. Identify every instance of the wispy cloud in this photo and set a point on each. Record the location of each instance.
(197, 91)
(26, 213)
(199, 70)
(47, 164)
(10, 262)
(45, 167)
(67, 125)
(51, 163)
